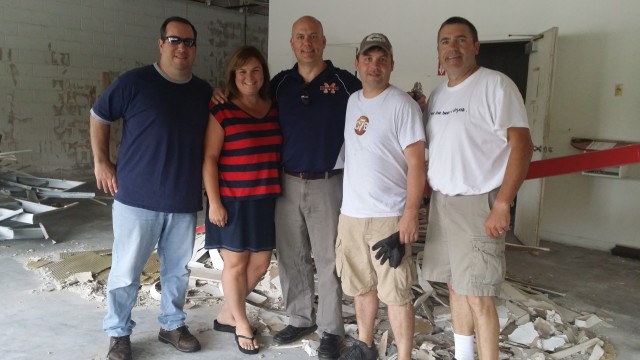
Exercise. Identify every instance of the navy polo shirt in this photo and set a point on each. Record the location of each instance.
(313, 130)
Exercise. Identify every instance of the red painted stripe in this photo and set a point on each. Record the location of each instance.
(590, 160)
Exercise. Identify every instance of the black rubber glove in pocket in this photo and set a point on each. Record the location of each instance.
(390, 249)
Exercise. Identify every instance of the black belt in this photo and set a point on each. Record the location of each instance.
(314, 175)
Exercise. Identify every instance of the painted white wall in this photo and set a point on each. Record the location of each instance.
(56, 55)
(597, 48)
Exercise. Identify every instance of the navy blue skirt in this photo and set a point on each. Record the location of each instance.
(250, 226)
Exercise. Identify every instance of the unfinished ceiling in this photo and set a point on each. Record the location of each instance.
(258, 7)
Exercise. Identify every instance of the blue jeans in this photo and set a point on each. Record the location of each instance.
(136, 233)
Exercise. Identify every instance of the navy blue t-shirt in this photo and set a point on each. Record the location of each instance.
(159, 164)
(313, 130)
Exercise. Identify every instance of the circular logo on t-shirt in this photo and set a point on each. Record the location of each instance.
(361, 125)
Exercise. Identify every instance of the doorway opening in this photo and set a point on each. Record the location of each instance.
(512, 59)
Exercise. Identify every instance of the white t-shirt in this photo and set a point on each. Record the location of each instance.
(467, 132)
(376, 133)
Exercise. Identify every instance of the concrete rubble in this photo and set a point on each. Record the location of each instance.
(532, 326)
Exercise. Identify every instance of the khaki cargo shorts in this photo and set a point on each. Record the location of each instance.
(357, 267)
(457, 249)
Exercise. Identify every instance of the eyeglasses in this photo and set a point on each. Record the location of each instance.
(304, 97)
(175, 40)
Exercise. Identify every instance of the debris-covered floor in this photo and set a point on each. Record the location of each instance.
(568, 301)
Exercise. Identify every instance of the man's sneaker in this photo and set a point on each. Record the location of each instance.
(292, 333)
(329, 346)
(120, 348)
(360, 351)
(180, 338)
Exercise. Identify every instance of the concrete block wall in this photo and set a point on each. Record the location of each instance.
(57, 56)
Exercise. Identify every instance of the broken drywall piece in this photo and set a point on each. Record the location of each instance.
(424, 284)
(420, 304)
(587, 321)
(7, 213)
(45, 233)
(382, 345)
(524, 334)
(503, 316)
(255, 298)
(205, 273)
(82, 277)
(421, 355)
(544, 328)
(351, 330)
(20, 232)
(441, 314)
(509, 292)
(517, 313)
(567, 315)
(216, 259)
(551, 344)
(310, 347)
(540, 307)
(537, 356)
(577, 348)
(198, 249)
(554, 317)
(596, 353)
(155, 291)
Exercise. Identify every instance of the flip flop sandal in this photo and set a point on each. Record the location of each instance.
(243, 350)
(218, 326)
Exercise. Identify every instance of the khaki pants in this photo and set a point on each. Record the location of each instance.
(306, 224)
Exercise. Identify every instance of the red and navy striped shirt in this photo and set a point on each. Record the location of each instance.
(249, 163)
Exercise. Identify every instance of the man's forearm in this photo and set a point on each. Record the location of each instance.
(100, 136)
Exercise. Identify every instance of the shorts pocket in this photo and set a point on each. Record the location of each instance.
(488, 263)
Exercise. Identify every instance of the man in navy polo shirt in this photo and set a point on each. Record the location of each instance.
(312, 98)
(156, 182)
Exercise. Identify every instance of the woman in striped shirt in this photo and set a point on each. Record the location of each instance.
(242, 181)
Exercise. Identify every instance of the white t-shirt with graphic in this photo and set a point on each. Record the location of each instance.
(376, 133)
(467, 132)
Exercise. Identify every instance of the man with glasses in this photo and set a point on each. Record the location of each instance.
(312, 98)
(156, 183)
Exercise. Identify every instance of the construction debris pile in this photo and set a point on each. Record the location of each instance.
(24, 198)
(532, 326)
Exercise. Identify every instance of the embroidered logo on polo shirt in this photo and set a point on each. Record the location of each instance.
(326, 88)
(361, 125)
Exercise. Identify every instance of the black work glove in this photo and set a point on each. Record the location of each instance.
(390, 249)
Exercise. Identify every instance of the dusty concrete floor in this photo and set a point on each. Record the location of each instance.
(62, 325)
